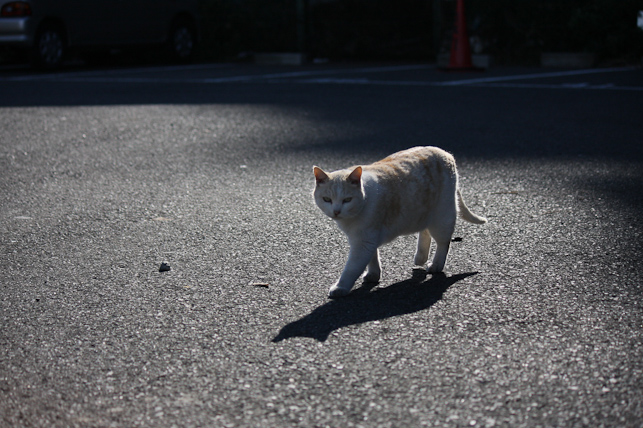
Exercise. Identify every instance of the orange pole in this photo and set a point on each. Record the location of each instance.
(460, 58)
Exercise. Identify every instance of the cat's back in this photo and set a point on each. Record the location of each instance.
(417, 163)
(408, 188)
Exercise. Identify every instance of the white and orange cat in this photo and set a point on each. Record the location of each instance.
(415, 190)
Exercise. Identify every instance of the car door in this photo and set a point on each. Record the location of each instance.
(141, 21)
(87, 22)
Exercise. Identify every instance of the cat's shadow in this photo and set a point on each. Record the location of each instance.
(363, 305)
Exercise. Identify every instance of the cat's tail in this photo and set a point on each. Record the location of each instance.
(467, 215)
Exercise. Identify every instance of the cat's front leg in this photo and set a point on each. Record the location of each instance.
(374, 269)
(358, 258)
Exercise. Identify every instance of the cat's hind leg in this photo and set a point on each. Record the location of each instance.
(423, 248)
(442, 236)
(374, 269)
(440, 257)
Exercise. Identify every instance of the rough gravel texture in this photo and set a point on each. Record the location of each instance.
(537, 321)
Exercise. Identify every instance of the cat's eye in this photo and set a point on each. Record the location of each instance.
(328, 200)
(347, 200)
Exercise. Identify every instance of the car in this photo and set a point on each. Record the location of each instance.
(49, 29)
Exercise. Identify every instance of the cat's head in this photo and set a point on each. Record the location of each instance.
(339, 194)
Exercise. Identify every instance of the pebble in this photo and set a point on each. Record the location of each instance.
(260, 284)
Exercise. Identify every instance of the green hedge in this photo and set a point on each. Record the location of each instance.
(518, 31)
(339, 29)
(513, 31)
(233, 27)
(372, 29)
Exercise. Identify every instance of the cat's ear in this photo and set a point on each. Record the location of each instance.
(320, 176)
(355, 176)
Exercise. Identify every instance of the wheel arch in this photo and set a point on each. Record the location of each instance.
(52, 22)
(185, 17)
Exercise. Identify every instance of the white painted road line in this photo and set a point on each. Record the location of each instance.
(326, 76)
(115, 72)
(112, 75)
(340, 81)
(536, 76)
(603, 87)
(580, 85)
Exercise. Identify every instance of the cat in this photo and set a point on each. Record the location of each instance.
(415, 190)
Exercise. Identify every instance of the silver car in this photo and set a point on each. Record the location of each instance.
(48, 29)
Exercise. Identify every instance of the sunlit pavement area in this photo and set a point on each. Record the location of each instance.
(107, 173)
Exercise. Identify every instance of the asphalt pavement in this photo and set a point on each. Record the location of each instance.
(105, 174)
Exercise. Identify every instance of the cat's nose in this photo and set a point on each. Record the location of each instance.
(336, 212)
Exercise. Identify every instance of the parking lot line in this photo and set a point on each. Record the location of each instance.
(582, 85)
(536, 76)
(337, 76)
(69, 76)
(515, 85)
(112, 75)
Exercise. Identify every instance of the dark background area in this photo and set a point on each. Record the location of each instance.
(513, 32)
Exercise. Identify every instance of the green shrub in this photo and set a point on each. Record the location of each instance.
(518, 31)
(513, 31)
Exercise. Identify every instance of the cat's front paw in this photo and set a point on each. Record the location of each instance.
(433, 268)
(336, 291)
(421, 258)
(372, 277)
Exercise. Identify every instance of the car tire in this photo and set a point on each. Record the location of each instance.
(182, 41)
(49, 48)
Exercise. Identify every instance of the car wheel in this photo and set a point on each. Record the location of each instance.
(49, 48)
(182, 41)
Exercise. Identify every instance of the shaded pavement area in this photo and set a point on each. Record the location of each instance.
(107, 173)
